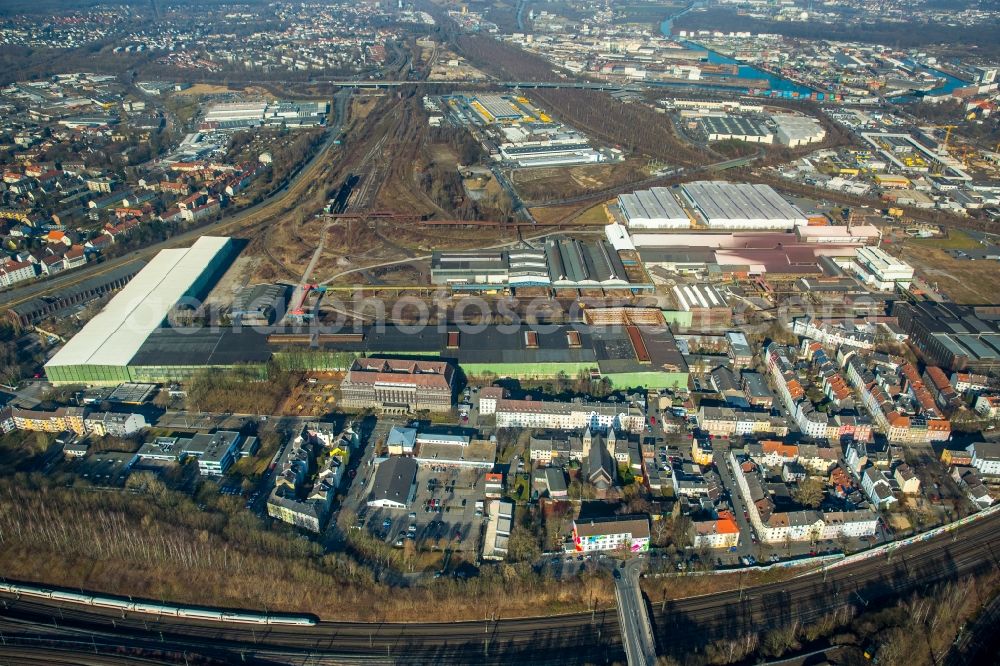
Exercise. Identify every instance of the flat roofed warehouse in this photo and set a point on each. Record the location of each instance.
(722, 128)
(173, 354)
(724, 205)
(131, 341)
(562, 262)
(105, 346)
(499, 107)
(798, 130)
(653, 209)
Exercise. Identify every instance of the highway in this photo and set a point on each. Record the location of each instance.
(375, 84)
(290, 192)
(679, 625)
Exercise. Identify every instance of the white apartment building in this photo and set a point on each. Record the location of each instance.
(848, 524)
(567, 415)
(986, 457)
(988, 406)
(798, 525)
(833, 335)
(12, 272)
(877, 488)
(619, 533)
(114, 424)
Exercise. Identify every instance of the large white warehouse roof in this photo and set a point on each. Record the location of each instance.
(741, 206)
(114, 336)
(653, 209)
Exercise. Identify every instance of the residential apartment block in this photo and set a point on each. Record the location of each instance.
(731, 422)
(629, 533)
(773, 526)
(720, 532)
(564, 415)
(835, 333)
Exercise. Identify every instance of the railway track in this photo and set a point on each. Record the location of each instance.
(810, 597)
(299, 185)
(683, 624)
(372, 172)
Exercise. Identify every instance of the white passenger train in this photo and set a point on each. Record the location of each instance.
(217, 615)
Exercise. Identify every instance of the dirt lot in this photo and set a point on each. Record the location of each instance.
(210, 89)
(286, 247)
(314, 398)
(594, 215)
(562, 182)
(234, 279)
(361, 107)
(964, 281)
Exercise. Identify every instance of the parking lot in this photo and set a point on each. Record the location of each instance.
(443, 513)
(568, 565)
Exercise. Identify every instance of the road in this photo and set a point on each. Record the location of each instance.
(301, 292)
(681, 625)
(374, 83)
(640, 647)
(747, 535)
(517, 205)
(521, 6)
(289, 192)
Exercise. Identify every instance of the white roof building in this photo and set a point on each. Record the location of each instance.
(694, 296)
(619, 238)
(879, 269)
(114, 336)
(724, 205)
(798, 130)
(653, 209)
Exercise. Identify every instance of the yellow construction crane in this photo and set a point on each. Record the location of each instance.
(966, 151)
(947, 134)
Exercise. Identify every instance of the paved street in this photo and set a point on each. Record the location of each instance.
(748, 537)
(637, 635)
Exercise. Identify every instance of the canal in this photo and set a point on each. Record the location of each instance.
(782, 86)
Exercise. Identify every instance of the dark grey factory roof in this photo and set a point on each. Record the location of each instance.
(499, 345)
(259, 296)
(203, 346)
(393, 479)
(490, 260)
(615, 353)
(608, 346)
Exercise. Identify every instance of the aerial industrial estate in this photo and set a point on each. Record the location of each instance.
(533, 332)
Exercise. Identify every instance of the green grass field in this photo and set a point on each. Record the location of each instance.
(956, 240)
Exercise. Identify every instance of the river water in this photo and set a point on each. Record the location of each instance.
(780, 86)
